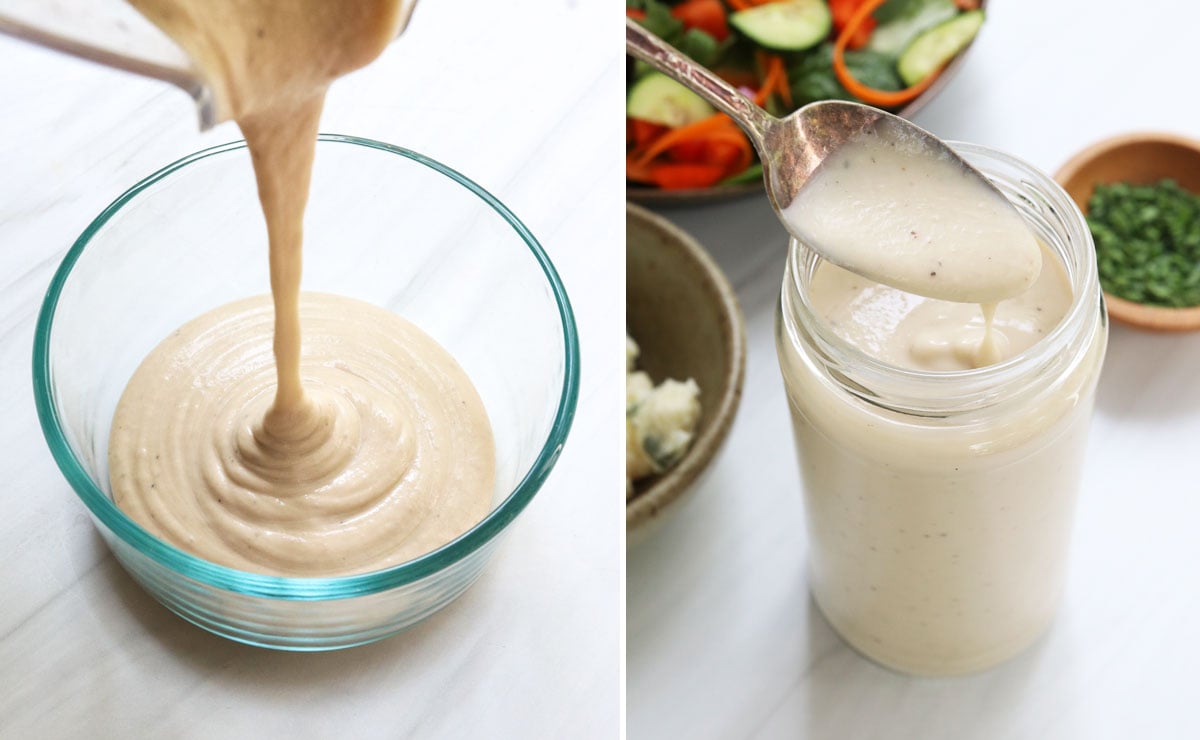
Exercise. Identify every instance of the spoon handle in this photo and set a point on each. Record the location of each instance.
(657, 53)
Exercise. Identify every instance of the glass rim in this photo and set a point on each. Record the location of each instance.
(287, 587)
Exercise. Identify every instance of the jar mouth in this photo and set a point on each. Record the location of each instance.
(109, 515)
(1056, 221)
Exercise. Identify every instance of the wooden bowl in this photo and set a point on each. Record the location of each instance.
(685, 317)
(1141, 159)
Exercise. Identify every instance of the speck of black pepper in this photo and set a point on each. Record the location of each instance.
(933, 273)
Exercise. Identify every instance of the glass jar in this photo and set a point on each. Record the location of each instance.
(939, 505)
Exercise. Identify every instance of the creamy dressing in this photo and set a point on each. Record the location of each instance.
(393, 460)
(939, 545)
(891, 210)
(937, 539)
(919, 333)
(366, 448)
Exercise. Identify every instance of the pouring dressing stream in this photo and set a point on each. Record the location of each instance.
(853, 182)
(367, 446)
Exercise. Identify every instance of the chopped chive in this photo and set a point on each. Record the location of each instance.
(1147, 242)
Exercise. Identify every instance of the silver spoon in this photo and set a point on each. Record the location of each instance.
(793, 148)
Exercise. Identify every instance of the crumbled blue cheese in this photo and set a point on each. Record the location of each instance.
(660, 421)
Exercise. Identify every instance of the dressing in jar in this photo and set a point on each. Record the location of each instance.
(941, 445)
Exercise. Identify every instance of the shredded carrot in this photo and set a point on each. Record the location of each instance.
(873, 96)
(967, 4)
(713, 143)
(637, 15)
(707, 145)
(783, 87)
(774, 80)
(769, 80)
(739, 4)
(700, 129)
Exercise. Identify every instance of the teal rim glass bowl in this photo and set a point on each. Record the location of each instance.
(385, 225)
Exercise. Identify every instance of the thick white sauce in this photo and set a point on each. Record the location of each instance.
(937, 545)
(394, 460)
(892, 211)
(919, 333)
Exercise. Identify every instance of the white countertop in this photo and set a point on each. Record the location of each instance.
(533, 649)
(723, 640)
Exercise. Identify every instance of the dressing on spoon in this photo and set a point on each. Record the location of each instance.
(888, 207)
(853, 183)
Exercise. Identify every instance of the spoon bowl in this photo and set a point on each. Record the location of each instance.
(795, 148)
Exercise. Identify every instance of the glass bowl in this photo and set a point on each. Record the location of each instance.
(384, 225)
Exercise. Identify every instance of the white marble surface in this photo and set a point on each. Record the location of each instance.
(533, 649)
(723, 641)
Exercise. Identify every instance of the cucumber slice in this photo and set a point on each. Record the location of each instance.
(791, 26)
(938, 45)
(659, 99)
(894, 35)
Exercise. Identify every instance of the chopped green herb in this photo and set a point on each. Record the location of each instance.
(1147, 242)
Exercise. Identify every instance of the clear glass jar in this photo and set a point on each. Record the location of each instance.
(939, 505)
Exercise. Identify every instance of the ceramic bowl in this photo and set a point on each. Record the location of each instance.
(685, 317)
(385, 225)
(1138, 158)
